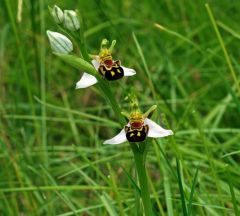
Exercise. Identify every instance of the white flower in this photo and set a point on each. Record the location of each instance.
(89, 80)
(155, 131)
(57, 14)
(71, 21)
(59, 43)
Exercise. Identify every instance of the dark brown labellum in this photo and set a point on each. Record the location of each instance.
(111, 72)
(136, 135)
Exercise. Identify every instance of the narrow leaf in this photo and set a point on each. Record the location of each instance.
(132, 181)
(192, 192)
(234, 201)
(107, 202)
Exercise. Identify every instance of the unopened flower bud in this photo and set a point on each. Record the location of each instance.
(59, 43)
(71, 21)
(57, 14)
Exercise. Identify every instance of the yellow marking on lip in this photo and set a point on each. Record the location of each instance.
(112, 73)
(139, 134)
(118, 71)
(132, 134)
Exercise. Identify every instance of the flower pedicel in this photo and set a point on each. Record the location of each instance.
(139, 127)
(108, 68)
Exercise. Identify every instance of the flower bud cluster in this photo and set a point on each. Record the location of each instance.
(69, 18)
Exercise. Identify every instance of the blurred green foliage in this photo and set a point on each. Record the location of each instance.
(51, 153)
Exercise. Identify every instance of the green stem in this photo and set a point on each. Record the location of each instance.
(82, 41)
(108, 94)
(142, 177)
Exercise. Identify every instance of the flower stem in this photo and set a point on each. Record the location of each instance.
(142, 177)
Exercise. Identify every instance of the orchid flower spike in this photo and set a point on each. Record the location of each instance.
(139, 127)
(108, 68)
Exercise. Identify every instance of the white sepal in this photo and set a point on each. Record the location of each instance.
(59, 42)
(118, 139)
(71, 21)
(57, 14)
(96, 64)
(156, 130)
(86, 81)
(128, 71)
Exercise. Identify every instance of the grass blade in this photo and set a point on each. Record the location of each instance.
(234, 200)
(135, 186)
(192, 192)
(108, 204)
(226, 55)
(184, 208)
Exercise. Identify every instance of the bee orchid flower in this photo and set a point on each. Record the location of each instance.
(108, 68)
(139, 128)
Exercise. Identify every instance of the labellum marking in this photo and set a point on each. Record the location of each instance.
(108, 63)
(136, 135)
(136, 124)
(115, 72)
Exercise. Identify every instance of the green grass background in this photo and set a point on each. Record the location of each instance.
(52, 160)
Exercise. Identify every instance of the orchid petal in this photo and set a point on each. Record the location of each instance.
(118, 139)
(128, 71)
(86, 81)
(156, 130)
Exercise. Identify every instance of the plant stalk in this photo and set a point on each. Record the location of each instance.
(142, 178)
